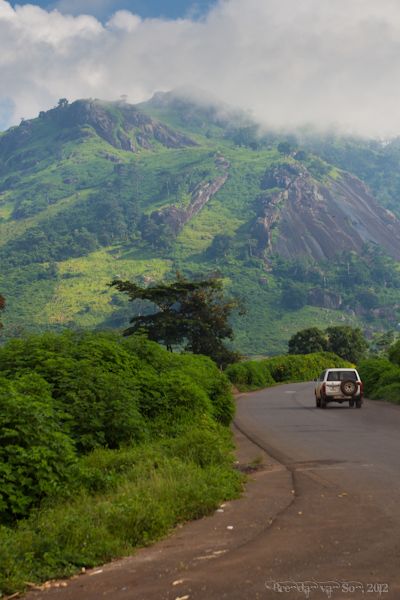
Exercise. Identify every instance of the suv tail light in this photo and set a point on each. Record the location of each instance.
(323, 388)
(361, 386)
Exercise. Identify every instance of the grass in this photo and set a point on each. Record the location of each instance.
(82, 295)
(144, 493)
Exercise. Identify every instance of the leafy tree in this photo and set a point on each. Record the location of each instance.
(35, 454)
(308, 341)
(190, 313)
(220, 246)
(347, 342)
(62, 103)
(294, 296)
(285, 148)
(394, 353)
(2, 307)
(368, 299)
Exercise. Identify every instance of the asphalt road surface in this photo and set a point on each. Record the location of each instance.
(320, 519)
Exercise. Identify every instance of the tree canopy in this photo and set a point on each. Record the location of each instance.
(2, 307)
(308, 341)
(190, 314)
(347, 342)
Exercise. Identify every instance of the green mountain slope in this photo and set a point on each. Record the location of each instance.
(91, 190)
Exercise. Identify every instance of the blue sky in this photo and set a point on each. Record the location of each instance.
(103, 9)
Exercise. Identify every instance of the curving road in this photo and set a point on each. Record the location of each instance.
(345, 465)
(324, 507)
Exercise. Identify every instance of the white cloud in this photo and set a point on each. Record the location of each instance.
(291, 62)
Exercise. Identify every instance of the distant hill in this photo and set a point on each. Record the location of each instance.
(305, 229)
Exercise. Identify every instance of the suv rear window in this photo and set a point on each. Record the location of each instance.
(342, 376)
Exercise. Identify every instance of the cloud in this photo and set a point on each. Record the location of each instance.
(323, 62)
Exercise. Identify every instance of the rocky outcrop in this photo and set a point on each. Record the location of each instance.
(122, 125)
(176, 217)
(324, 299)
(319, 220)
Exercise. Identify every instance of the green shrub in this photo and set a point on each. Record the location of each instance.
(170, 400)
(152, 487)
(215, 383)
(35, 455)
(250, 375)
(390, 393)
(394, 353)
(102, 407)
(375, 373)
(280, 369)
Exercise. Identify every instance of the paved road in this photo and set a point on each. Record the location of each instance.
(325, 507)
(345, 465)
(358, 449)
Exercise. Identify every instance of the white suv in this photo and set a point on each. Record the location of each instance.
(339, 385)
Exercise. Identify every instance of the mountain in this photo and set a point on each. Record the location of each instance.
(304, 228)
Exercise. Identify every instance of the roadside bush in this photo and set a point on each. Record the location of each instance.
(215, 383)
(170, 400)
(201, 369)
(102, 408)
(394, 353)
(279, 369)
(390, 393)
(151, 488)
(376, 373)
(250, 375)
(35, 455)
(381, 379)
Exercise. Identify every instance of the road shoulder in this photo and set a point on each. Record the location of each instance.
(164, 570)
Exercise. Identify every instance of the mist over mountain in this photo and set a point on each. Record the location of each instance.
(304, 229)
(326, 64)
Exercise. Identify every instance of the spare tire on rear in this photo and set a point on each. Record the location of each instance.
(348, 387)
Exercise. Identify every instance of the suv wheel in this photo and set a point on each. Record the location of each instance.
(322, 402)
(352, 403)
(359, 403)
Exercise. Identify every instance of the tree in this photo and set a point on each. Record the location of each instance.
(193, 314)
(307, 341)
(285, 148)
(2, 307)
(62, 103)
(347, 342)
(294, 296)
(220, 246)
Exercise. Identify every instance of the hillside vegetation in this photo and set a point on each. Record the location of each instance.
(92, 191)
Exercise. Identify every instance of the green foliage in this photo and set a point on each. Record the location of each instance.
(35, 453)
(381, 379)
(2, 307)
(220, 246)
(92, 382)
(120, 500)
(308, 341)
(94, 391)
(344, 341)
(347, 342)
(294, 296)
(250, 375)
(194, 313)
(390, 392)
(394, 353)
(281, 369)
